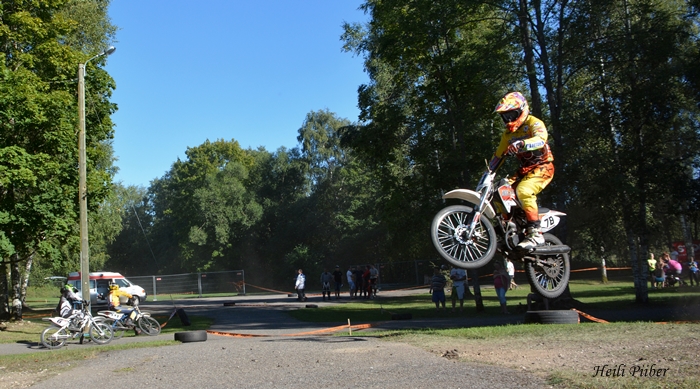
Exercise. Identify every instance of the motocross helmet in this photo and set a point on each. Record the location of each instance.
(513, 109)
(113, 286)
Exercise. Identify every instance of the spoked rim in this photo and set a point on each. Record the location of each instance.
(550, 274)
(149, 325)
(449, 234)
(54, 337)
(101, 333)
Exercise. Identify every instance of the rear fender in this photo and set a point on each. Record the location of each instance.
(550, 220)
(470, 196)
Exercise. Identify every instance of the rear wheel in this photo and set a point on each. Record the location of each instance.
(449, 230)
(101, 333)
(149, 325)
(54, 337)
(549, 274)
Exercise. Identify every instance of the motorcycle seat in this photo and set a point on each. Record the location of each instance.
(542, 210)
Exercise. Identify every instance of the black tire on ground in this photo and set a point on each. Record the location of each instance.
(552, 317)
(311, 306)
(191, 336)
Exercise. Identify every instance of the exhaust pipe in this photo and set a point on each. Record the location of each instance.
(550, 250)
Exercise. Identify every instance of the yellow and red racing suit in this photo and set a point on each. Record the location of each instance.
(536, 167)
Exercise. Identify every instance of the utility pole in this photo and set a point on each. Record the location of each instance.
(82, 172)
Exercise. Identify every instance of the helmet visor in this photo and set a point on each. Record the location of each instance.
(510, 116)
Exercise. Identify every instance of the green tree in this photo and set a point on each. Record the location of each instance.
(38, 120)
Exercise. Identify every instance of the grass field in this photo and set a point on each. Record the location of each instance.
(592, 295)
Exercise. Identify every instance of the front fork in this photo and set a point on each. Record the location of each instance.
(477, 215)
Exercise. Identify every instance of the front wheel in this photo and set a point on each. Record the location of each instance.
(549, 274)
(101, 333)
(117, 329)
(149, 325)
(449, 230)
(54, 337)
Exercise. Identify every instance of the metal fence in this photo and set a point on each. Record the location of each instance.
(192, 283)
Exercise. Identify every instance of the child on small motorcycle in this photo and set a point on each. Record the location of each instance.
(69, 304)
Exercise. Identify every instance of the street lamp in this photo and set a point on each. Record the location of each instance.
(82, 171)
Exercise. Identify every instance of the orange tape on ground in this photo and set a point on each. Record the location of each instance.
(316, 332)
(589, 317)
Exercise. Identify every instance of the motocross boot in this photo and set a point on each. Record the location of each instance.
(533, 239)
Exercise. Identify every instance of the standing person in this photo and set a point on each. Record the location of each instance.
(338, 280)
(326, 278)
(500, 283)
(526, 138)
(511, 274)
(350, 275)
(437, 288)
(300, 285)
(651, 262)
(659, 273)
(694, 274)
(359, 284)
(366, 292)
(459, 280)
(373, 280)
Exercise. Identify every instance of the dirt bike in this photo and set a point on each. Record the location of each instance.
(469, 236)
(62, 329)
(125, 321)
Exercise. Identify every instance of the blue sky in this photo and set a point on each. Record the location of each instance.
(187, 71)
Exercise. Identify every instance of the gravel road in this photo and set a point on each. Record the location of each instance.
(278, 359)
(287, 362)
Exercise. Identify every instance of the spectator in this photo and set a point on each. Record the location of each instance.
(437, 288)
(694, 275)
(338, 279)
(326, 278)
(500, 282)
(511, 274)
(373, 280)
(366, 292)
(300, 285)
(350, 275)
(652, 267)
(459, 280)
(359, 284)
(673, 270)
(660, 274)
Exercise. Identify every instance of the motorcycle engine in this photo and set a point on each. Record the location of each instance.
(511, 236)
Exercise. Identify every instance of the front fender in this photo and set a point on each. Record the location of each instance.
(470, 196)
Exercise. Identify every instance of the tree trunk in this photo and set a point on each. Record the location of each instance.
(4, 293)
(529, 57)
(16, 306)
(640, 280)
(688, 238)
(25, 280)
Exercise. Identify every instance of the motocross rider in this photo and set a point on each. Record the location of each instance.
(526, 138)
(68, 303)
(114, 294)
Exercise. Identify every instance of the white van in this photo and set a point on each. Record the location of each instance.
(99, 287)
